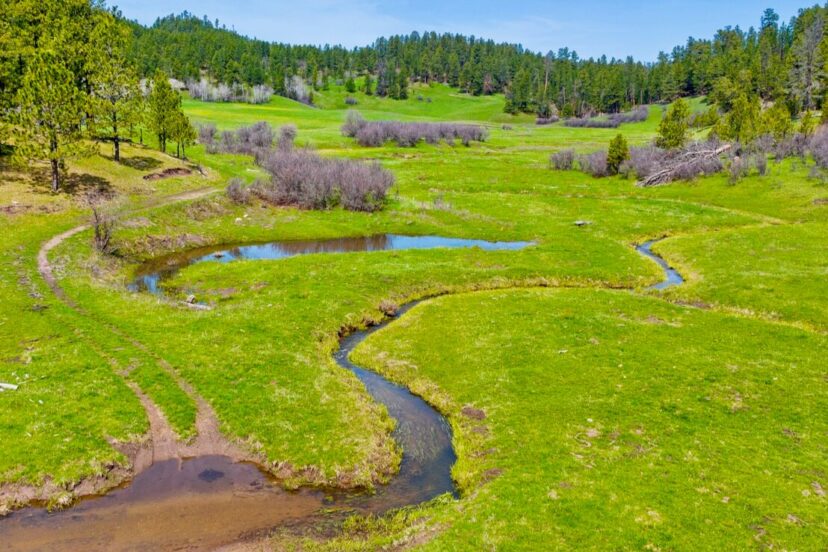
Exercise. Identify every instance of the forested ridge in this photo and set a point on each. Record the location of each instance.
(774, 61)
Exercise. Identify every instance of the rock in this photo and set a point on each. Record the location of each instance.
(219, 254)
(582, 222)
(8, 386)
(191, 299)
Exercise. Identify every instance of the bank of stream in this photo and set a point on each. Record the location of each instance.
(206, 502)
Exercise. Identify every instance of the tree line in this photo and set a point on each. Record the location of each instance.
(67, 80)
(775, 61)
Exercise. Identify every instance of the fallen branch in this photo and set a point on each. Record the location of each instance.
(678, 164)
(8, 386)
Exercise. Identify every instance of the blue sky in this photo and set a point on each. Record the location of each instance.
(590, 27)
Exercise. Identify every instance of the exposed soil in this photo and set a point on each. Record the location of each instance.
(168, 173)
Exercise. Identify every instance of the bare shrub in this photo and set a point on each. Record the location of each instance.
(761, 164)
(207, 135)
(637, 115)
(589, 123)
(287, 136)
(562, 160)
(250, 140)
(792, 146)
(103, 222)
(377, 133)
(540, 121)
(818, 147)
(351, 101)
(237, 192)
(643, 161)
(354, 121)
(296, 89)
(613, 120)
(304, 179)
(738, 169)
(506, 127)
(594, 164)
(208, 92)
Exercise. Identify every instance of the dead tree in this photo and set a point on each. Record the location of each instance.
(691, 162)
(102, 221)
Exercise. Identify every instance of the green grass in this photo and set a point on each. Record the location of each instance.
(620, 422)
(780, 271)
(698, 415)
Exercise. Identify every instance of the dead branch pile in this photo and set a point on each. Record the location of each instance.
(691, 161)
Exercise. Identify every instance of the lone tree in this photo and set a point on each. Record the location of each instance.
(116, 97)
(50, 111)
(672, 131)
(619, 152)
(182, 132)
(163, 103)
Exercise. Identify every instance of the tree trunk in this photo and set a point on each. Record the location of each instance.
(55, 175)
(53, 146)
(116, 138)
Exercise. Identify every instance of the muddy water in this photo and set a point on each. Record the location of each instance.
(671, 275)
(206, 502)
(150, 274)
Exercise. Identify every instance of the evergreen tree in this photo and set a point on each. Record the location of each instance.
(116, 98)
(808, 63)
(743, 122)
(618, 152)
(672, 131)
(51, 108)
(350, 85)
(163, 103)
(182, 132)
(402, 85)
(808, 124)
(368, 86)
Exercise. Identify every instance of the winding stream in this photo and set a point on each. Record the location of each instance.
(206, 502)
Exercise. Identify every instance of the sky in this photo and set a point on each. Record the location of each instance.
(616, 28)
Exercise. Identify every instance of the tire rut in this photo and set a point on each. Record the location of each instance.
(164, 442)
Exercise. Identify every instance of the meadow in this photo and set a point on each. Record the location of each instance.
(616, 417)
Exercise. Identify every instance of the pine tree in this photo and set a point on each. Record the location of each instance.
(116, 99)
(743, 122)
(618, 152)
(672, 131)
(50, 112)
(402, 85)
(182, 132)
(368, 86)
(350, 85)
(163, 103)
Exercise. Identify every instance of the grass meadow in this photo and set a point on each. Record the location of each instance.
(616, 417)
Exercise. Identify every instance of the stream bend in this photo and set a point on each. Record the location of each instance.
(206, 502)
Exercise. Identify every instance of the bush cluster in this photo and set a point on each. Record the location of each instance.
(246, 140)
(302, 178)
(614, 120)
(377, 133)
(563, 160)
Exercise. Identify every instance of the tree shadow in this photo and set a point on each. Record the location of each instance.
(78, 184)
(141, 162)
